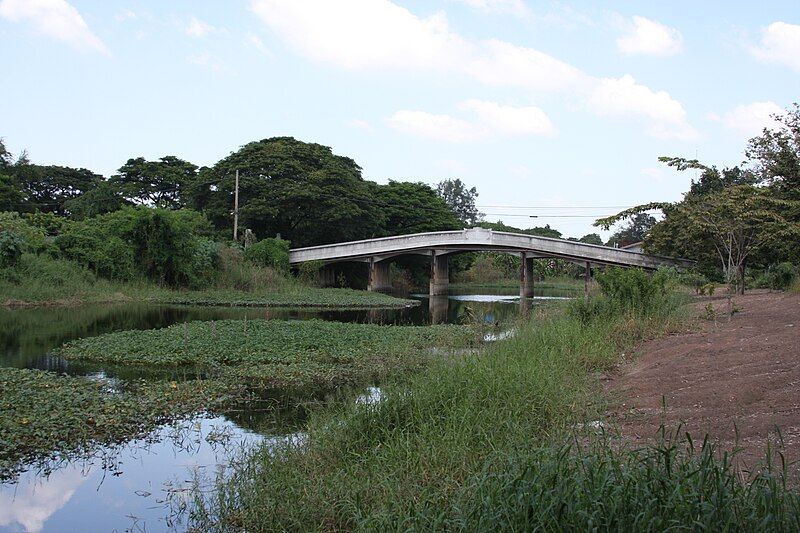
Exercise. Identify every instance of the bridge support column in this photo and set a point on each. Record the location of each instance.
(379, 276)
(440, 274)
(526, 276)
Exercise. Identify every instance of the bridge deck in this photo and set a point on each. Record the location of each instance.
(479, 239)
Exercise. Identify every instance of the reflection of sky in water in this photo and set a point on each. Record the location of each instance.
(85, 497)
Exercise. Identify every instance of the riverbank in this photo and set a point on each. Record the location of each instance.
(735, 380)
(490, 442)
(293, 296)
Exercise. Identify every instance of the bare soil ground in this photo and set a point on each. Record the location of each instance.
(739, 375)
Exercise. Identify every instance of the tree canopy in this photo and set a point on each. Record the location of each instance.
(461, 200)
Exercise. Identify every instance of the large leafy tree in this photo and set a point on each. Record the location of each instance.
(461, 200)
(409, 207)
(635, 230)
(160, 183)
(48, 188)
(736, 222)
(300, 190)
(775, 154)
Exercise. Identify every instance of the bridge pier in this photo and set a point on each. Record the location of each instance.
(526, 276)
(440, 274)
(378, 280)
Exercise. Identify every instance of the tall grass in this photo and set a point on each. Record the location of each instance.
(414, 460)
(476, 443)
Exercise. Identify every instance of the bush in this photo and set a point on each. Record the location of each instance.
(629, 292)
(157, 244)
(32, 238)
(91, 246)
(49, 223)
(10, 248)
(272, 252)
(778, 277)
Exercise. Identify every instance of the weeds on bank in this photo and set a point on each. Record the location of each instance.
(475, 443)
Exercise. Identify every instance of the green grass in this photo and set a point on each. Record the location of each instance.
(477, 443)
(412, 460)
(46, 416)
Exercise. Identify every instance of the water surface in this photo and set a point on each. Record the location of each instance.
(130, 488)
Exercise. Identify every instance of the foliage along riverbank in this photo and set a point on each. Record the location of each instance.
(43, 281)
(481, 443)
(45, 416)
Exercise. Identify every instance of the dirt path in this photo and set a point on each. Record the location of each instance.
(743, 373)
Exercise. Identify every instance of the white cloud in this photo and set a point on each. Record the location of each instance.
(430, 126)
(780, 43)
(125, 14)
(373, 34)
(513, 7)
(208, 61)
(508, 120)
(619, 97)
(197, 28)
(358, 34)
(360, 124)
(54, 18)
(648, 37)
(490, 120)
(750, 119)
(504, 64)
(256, 42)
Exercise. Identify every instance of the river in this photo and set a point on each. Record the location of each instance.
(138, 486)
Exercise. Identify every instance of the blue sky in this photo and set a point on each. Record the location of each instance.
(564, 107)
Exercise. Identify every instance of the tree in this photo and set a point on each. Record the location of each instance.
(101, 199)
(47, 188)
(408, 207)
(711, 179)
(155, 183)
(461, 200)
(591, 238)
(775, 154)
(300, 190)
(636, 230)
(736, 221)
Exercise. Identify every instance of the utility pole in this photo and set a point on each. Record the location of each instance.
(236, 207)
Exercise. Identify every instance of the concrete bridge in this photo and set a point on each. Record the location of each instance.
(438, 245)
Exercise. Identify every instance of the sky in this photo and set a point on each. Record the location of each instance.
(557, 110)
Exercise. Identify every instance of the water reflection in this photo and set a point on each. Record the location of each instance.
(84, 496)
(144, 475)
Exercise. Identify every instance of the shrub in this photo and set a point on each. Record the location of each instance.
(778, 277)
(49, 223)
(307, 272)
(10, 248)
(91, 246)
(631, 292)
(272, 252)
(33, 239)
